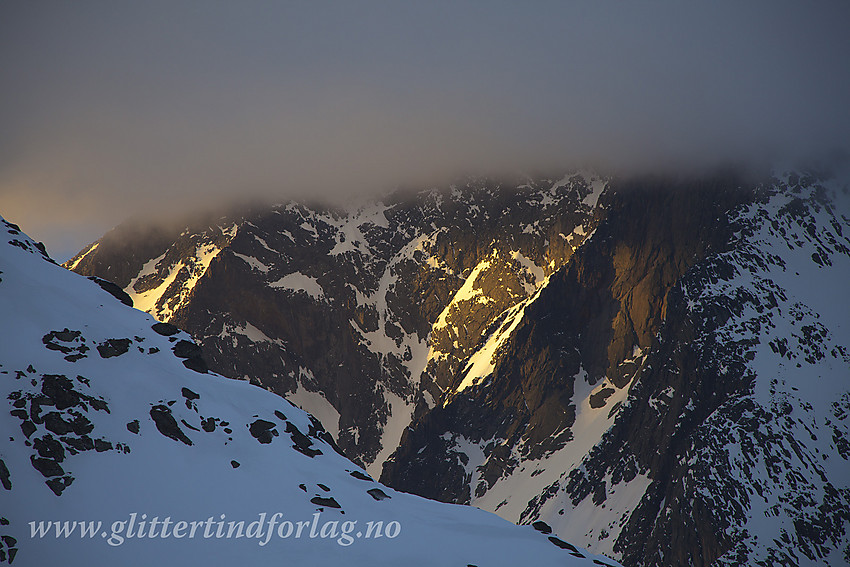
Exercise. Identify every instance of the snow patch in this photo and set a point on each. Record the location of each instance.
(253, 262)
(317, 405)
(297, 281)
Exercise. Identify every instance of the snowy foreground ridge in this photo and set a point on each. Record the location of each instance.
(112, 418)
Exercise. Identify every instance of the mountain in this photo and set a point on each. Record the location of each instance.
(120, 447)
(336, 310)
(657, 368)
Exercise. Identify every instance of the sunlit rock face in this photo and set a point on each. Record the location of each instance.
(629, 361)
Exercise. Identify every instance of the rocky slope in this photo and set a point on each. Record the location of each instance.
(624, 360)
(362, 318)
(121, 448)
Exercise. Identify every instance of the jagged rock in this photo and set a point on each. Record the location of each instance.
(263, 431)
(186, 349)
(377, 494)
(597, 400)
(192, 355)
(562, 544)
(301, 442)
(189, 394)
(167, 425)
(47, 467)
(59, 391)
(165, 329)
(542, 527)
(5, 476)
(113, 290)
(359, 475)
(57, 485)
(113, 347)
(322, 501)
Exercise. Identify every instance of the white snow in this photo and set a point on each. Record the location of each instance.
(510, 496)
(467, 292)
(253, 262)
(597, 186)
(250, 331)
(146, 301)
(195, 265)
(349, 236)
(319, 406)
(482, 363)
(82, 256)
(597, 527)
(399, 418)
(529, 267)
(297, 281)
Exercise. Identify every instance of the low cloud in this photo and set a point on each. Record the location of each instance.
(158, 108)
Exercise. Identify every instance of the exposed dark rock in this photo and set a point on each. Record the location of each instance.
(113, 290)
(192, 355)
(328, 502)
(542, 527)
(57, 485)
(8, 549)
(597, 400)
(197, 364)
(189, 394)
(133, 426)
(27, 428)
(377, 494)
(361, 476)
(113, 347)
(234, 464)
(47, 467)
(4, 476)
(167, 425)
(563, 544)
(263, 431)
(165, 329)
(74, 344)
(49, 448)
(60, 391)
(186, 349)
(301, 442)
(80, 443)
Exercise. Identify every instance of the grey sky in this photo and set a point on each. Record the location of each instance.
(115, 108)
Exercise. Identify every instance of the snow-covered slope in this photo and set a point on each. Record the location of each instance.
(112, 418)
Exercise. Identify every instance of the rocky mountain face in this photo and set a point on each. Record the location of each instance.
(655, 368)
(120, 447)
(364, 318)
